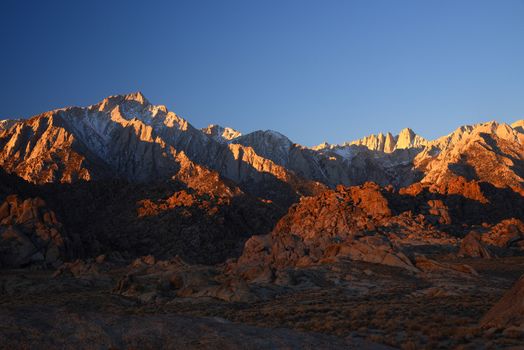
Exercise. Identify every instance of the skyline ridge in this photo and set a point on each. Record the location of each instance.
(140, 96)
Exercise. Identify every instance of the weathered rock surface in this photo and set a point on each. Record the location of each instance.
(429, 265)
(509, 311)
(381, 225)
(506, 234)
(30, 234)
(489, 152)
(157, 281)
(373, 249)
(335, 224)
(472, 246)
(220, 133)
(388, 143)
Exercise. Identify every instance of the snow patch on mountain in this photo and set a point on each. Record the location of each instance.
(7, 123)
(220, 133)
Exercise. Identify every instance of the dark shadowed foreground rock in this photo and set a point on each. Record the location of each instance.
(431, 266)
(509, 311)
(47, 328)
(164, 280)
(472, 246)
(30, 234)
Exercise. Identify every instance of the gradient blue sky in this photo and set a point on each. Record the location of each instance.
(313, 70)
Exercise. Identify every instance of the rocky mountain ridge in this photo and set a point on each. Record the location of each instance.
(232, 186)
(221, 134)
(387, 143)
(125, 136)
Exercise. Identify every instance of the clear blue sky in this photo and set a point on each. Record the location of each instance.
(313, 70)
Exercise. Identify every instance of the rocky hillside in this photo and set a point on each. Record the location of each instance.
(490, 152)
(126, 137)
(221, 134)
(382, 225)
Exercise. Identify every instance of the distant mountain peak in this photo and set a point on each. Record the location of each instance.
(138, 97)
(407, 131)
(388, 143)
(220, 133)
(112, 101)
(383, 142)
(407, 138)
(275, 134)
(322, 146)
(518, 125)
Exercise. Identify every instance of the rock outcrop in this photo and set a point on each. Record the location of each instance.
(429, 265)
(489, 152)
(388, 143)
(462, 202)
(220, 133)
(155, 281)
(335, 224)
(472, 246)
(508, 311)
(508, 233)
(374, 224)
(30, 234)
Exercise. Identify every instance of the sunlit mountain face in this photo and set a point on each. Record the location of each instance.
(124, 206)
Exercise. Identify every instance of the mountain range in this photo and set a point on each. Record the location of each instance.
(127, 137)
(125, 206)
(129, 176)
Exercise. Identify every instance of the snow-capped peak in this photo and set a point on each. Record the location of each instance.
(7, 123)
(220, 133)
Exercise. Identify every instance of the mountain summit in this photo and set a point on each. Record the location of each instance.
(220, 133)
(386, 143)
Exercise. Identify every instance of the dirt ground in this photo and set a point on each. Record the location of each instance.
(345, 300)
